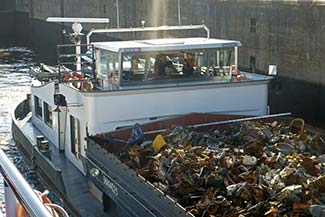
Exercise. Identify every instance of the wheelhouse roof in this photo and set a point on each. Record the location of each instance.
(165, 44)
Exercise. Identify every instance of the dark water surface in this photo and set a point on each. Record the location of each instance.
(14, 85)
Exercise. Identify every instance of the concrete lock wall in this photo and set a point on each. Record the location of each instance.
(7, 9)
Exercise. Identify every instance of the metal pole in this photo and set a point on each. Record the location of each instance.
(227, 121)
(236, 57)
(243, 119)
(117, 14)
(78, 56)
(59, 132)
(24, 193)
(207, 30)
(179, 12)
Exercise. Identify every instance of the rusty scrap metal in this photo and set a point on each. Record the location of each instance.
(252, 168)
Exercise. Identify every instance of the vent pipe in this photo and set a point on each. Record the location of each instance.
(117, 14)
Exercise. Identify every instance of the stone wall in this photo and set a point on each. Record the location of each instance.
(7, 19)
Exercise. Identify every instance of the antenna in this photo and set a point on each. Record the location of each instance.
(117, 14)
(77, 28)
(76, 20)
(179, 12)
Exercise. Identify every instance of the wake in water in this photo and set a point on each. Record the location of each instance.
(14, 85)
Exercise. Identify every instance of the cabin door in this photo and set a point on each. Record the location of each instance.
(63, 127)
(75, 136)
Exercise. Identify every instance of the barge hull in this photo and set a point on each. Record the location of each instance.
(125, 187)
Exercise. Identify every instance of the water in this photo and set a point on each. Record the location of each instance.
(14, 85)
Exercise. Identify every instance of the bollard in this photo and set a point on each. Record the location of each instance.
(39, 140)
(44, 145)
(45, 149)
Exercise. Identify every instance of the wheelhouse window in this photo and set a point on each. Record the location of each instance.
(108, 64)
(148, 67)
(38, 106)
(48, 117)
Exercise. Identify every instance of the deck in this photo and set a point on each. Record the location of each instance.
(77, 197)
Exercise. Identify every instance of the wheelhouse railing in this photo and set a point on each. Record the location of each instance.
(68, 60)
(148, 29)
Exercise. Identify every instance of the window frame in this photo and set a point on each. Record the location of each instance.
(253, 25)
(112, 60)
(48, 114)
(252, 64)
(200, 55)
(38, 107)
(75, 142)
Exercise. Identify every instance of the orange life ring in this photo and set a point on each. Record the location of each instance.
(74, 76)
(21, 212)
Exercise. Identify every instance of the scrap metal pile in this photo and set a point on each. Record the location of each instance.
(246, 169)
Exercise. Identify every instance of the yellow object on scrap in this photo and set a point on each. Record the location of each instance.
(132, 154)
(158, 143)
(298, 120)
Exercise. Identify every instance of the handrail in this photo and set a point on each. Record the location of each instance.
(148, 29)
(64, 60)
(24, 193)
(254, 118)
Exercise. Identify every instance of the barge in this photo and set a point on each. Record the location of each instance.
(107, 86)
(214, 165)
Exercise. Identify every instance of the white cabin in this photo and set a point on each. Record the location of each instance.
(144, 80)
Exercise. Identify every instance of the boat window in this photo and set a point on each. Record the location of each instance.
(134, 67)
(38, 107)
(75, 135)
(221, 62)
(108, 64)
(48, 118)
(182, 65)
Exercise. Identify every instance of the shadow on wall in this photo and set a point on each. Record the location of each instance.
(15, 29)
(303, 99)
(7, 27)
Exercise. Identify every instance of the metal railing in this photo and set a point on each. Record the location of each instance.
(23, 192)
(67, 61)
(148, 29)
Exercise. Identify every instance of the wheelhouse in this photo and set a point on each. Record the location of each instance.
(160, 62)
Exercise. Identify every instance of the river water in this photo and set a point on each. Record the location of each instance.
(14, 85)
